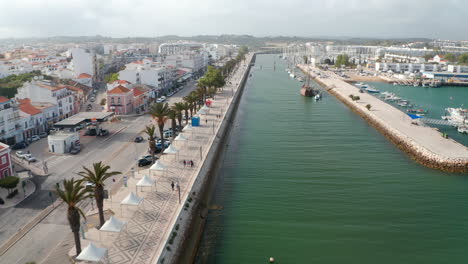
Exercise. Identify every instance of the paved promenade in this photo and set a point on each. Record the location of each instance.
(149, 224)
(426, 138)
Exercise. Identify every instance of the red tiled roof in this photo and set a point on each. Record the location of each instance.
(3, 99)
(121, 82)
(84, 76)
(52, 88)
(137, 92)
(118, 90)
(25, 106)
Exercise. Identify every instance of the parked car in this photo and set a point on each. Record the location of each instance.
(89, 107)
(143, 162)
(163, 98)
(35, 138)
(75, 151)
(168, 133)
(89, 185)
(29, 158)
(138, 139)
(159, 100)
(92, 99)
(20, 154)
(42, 134)
(166, 144)
(19, 145)
(103, 132)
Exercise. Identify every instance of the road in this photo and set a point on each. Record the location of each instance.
(117, 150)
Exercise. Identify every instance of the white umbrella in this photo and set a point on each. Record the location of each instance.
(145, 182)
(170, 150)
(131, 199)
(180, 137)
(158, 165)
(92, 253)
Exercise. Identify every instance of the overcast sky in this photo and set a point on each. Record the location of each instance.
(149, 18)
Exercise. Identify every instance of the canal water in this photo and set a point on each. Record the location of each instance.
(311, 182)
(435, 100)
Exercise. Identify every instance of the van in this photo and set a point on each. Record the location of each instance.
(167, 133)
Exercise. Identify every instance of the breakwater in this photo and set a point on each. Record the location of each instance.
(190, 221)
(430, 154)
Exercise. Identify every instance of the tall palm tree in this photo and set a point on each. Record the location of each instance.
(173, 116)
(73, 192)
(186, 109)
(151, 132)
(159, 112)
(191, 99)
(97, 176)
(179, 109)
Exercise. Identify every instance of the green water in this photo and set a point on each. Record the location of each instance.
(311, 182)
(435, 100)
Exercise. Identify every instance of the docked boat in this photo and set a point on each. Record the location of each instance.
(372, 90)
(359, 84)
(417, 111)
(307, 90)
(463, 129)
(292, 75)
(457, 116)
(318, 96)
(300, 79)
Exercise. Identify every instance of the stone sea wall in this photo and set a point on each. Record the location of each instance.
(417, 152)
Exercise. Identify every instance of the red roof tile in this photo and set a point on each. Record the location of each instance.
(84, 76)
(25, 106)
(118, 90)
(137, 92)
(3, 99)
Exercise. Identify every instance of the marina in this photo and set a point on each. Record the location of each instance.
(348, 192)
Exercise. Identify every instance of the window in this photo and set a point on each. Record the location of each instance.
(6, 173)
(118, 100)
(112, 100)
(69, 100)
(4, 160)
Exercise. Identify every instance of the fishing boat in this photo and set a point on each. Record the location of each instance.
(372, 90)
(359, 84)
(457, 116)
(417, 111)
(463, 129)
(307, 90)
(318, 96)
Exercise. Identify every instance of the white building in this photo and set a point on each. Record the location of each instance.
(11, 130)
(10, 67)
(406, 67)
(43, 91)
(62, 142)
(176, 48)
(85, 79)
(149, 73)
(195, 61)
(457, 68)
(81, 62)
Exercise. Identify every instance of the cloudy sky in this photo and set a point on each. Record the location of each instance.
(121, 18)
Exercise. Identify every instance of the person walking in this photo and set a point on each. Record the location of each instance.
(191, 163)
(172, 185)
(206, 121)
(185, 163)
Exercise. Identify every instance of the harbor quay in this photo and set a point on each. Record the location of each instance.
(423, 144)
(153, 209)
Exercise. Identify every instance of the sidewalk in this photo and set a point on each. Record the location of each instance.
(23, 193)
(149, 224)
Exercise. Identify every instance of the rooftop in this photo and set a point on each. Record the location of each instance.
(83, 117)
(118, 90)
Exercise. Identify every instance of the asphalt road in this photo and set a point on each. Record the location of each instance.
(117, 150)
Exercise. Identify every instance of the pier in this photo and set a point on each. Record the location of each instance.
(424, 144)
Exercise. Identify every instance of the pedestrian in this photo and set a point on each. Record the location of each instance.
(185, 163)
(206, 121)
(172, 185)
(191, 163)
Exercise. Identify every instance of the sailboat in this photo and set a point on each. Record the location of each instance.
(307, 90)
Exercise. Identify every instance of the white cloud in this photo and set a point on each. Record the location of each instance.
(371, 18)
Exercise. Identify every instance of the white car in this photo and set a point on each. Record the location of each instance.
(160, 100)
(29, 158)
(20, 154)
(35, 138)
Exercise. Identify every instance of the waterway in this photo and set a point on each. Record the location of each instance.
(435, 100)
(311, 182)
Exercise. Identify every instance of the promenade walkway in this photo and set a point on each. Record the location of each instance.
(425, 137)
(149, 224)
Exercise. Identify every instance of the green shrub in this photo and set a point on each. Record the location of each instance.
(9, 182)
(12, 194)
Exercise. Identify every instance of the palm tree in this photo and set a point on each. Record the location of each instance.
(191, 99)
(73, 192)
(150, 131)
(97, 176)
(186, 109)
(159, 112)
(173, 116)
(179, 108)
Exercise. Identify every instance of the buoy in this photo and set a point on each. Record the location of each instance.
(272, 260)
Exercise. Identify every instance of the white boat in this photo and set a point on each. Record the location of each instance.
(395, 83)
(457, 116)
(372, 90)
(318, 97)
(292, 75)
(463, 129)
(359, 84)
